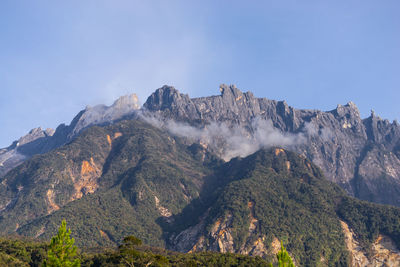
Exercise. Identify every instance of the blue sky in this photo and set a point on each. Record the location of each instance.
(56, 57)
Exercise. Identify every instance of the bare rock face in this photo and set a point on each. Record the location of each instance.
(383, 251)
(20, 150)
(39, 141)
(361, 155)
(101, 114)
(220, 238)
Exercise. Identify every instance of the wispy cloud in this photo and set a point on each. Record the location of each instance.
(230, 141)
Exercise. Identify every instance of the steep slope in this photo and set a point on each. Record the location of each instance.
(39, 141)
(360, 155)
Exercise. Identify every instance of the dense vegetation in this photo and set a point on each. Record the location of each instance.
(24, 253)
(14, 252)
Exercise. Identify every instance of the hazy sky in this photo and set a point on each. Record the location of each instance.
(56, 57)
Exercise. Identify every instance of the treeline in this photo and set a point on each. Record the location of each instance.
(61, 252)
(29, 253)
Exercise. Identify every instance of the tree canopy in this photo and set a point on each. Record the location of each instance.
(62, 251)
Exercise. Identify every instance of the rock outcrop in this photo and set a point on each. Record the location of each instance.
(383, 251)
(26, 146)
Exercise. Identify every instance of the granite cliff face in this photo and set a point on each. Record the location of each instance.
(360, 155)
(39, 141)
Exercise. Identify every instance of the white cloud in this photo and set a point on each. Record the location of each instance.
(230, 142)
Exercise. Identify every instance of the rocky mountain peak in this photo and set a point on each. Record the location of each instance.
(349, 110)
(24, 147)
(102, 114)
(164, 98)
(230, 91)
(34, 134)
(382, 131)
(127, 102)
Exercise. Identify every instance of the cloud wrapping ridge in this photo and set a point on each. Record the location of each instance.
(229, 141)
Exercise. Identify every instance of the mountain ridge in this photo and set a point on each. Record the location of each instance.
(358, 154)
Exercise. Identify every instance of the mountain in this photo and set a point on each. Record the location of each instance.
(130, 177)
(212, 174)
(360, 155)
(39, 141)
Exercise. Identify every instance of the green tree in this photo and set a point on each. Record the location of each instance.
(284, 259)
(62, 252)
(128, 250)
(132, 257)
